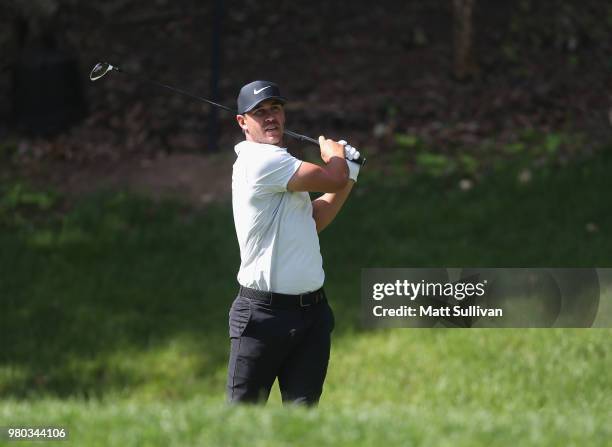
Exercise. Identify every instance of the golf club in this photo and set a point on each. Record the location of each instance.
(102, 68)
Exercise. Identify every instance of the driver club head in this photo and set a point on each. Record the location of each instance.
(101, 69)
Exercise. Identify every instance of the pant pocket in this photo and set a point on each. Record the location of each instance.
(239, 316)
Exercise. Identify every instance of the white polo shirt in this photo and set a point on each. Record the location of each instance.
(279, 245)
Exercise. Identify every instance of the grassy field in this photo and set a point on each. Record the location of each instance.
(114, 319)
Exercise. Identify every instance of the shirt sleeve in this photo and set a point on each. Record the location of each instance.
(271, 170)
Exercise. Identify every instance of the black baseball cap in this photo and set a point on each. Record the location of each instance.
(255, 92)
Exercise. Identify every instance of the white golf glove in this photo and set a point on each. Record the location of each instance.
(350, 153)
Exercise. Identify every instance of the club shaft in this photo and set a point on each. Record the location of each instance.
(300, 137)
(177, 90)
(297, 136)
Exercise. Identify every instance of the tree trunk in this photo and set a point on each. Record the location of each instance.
(464, 63)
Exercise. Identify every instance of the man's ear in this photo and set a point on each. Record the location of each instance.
(241, 122)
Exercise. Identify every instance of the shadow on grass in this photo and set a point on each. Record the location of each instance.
(119, 293)
(122, 294)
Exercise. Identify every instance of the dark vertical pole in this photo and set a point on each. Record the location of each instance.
(215, 67)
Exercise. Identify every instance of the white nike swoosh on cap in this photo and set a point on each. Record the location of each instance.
(257, 92)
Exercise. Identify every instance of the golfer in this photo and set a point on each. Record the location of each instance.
(280, 323)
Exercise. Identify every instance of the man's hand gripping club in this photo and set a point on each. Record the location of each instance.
(341, 149)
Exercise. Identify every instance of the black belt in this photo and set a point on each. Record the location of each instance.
(282, 299)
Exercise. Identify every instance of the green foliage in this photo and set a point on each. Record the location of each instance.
(530, 148)
(19, 202)
(407, 141)
(402, 155)
(533, 148)
(553, 143)
(435, 165)
(510, 52)
(573, 61)
(515, 148)
(469, 164)
(20, 196)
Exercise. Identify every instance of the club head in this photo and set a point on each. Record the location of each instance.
(100, 70)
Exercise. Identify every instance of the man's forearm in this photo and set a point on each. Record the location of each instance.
(326, 207)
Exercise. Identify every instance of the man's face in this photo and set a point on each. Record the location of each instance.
(265, 123)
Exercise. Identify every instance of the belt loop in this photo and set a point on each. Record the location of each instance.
(302, 302)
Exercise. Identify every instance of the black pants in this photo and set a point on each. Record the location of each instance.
(267, 342)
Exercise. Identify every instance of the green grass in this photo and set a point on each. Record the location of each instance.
(404, 387)
(114, 320)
